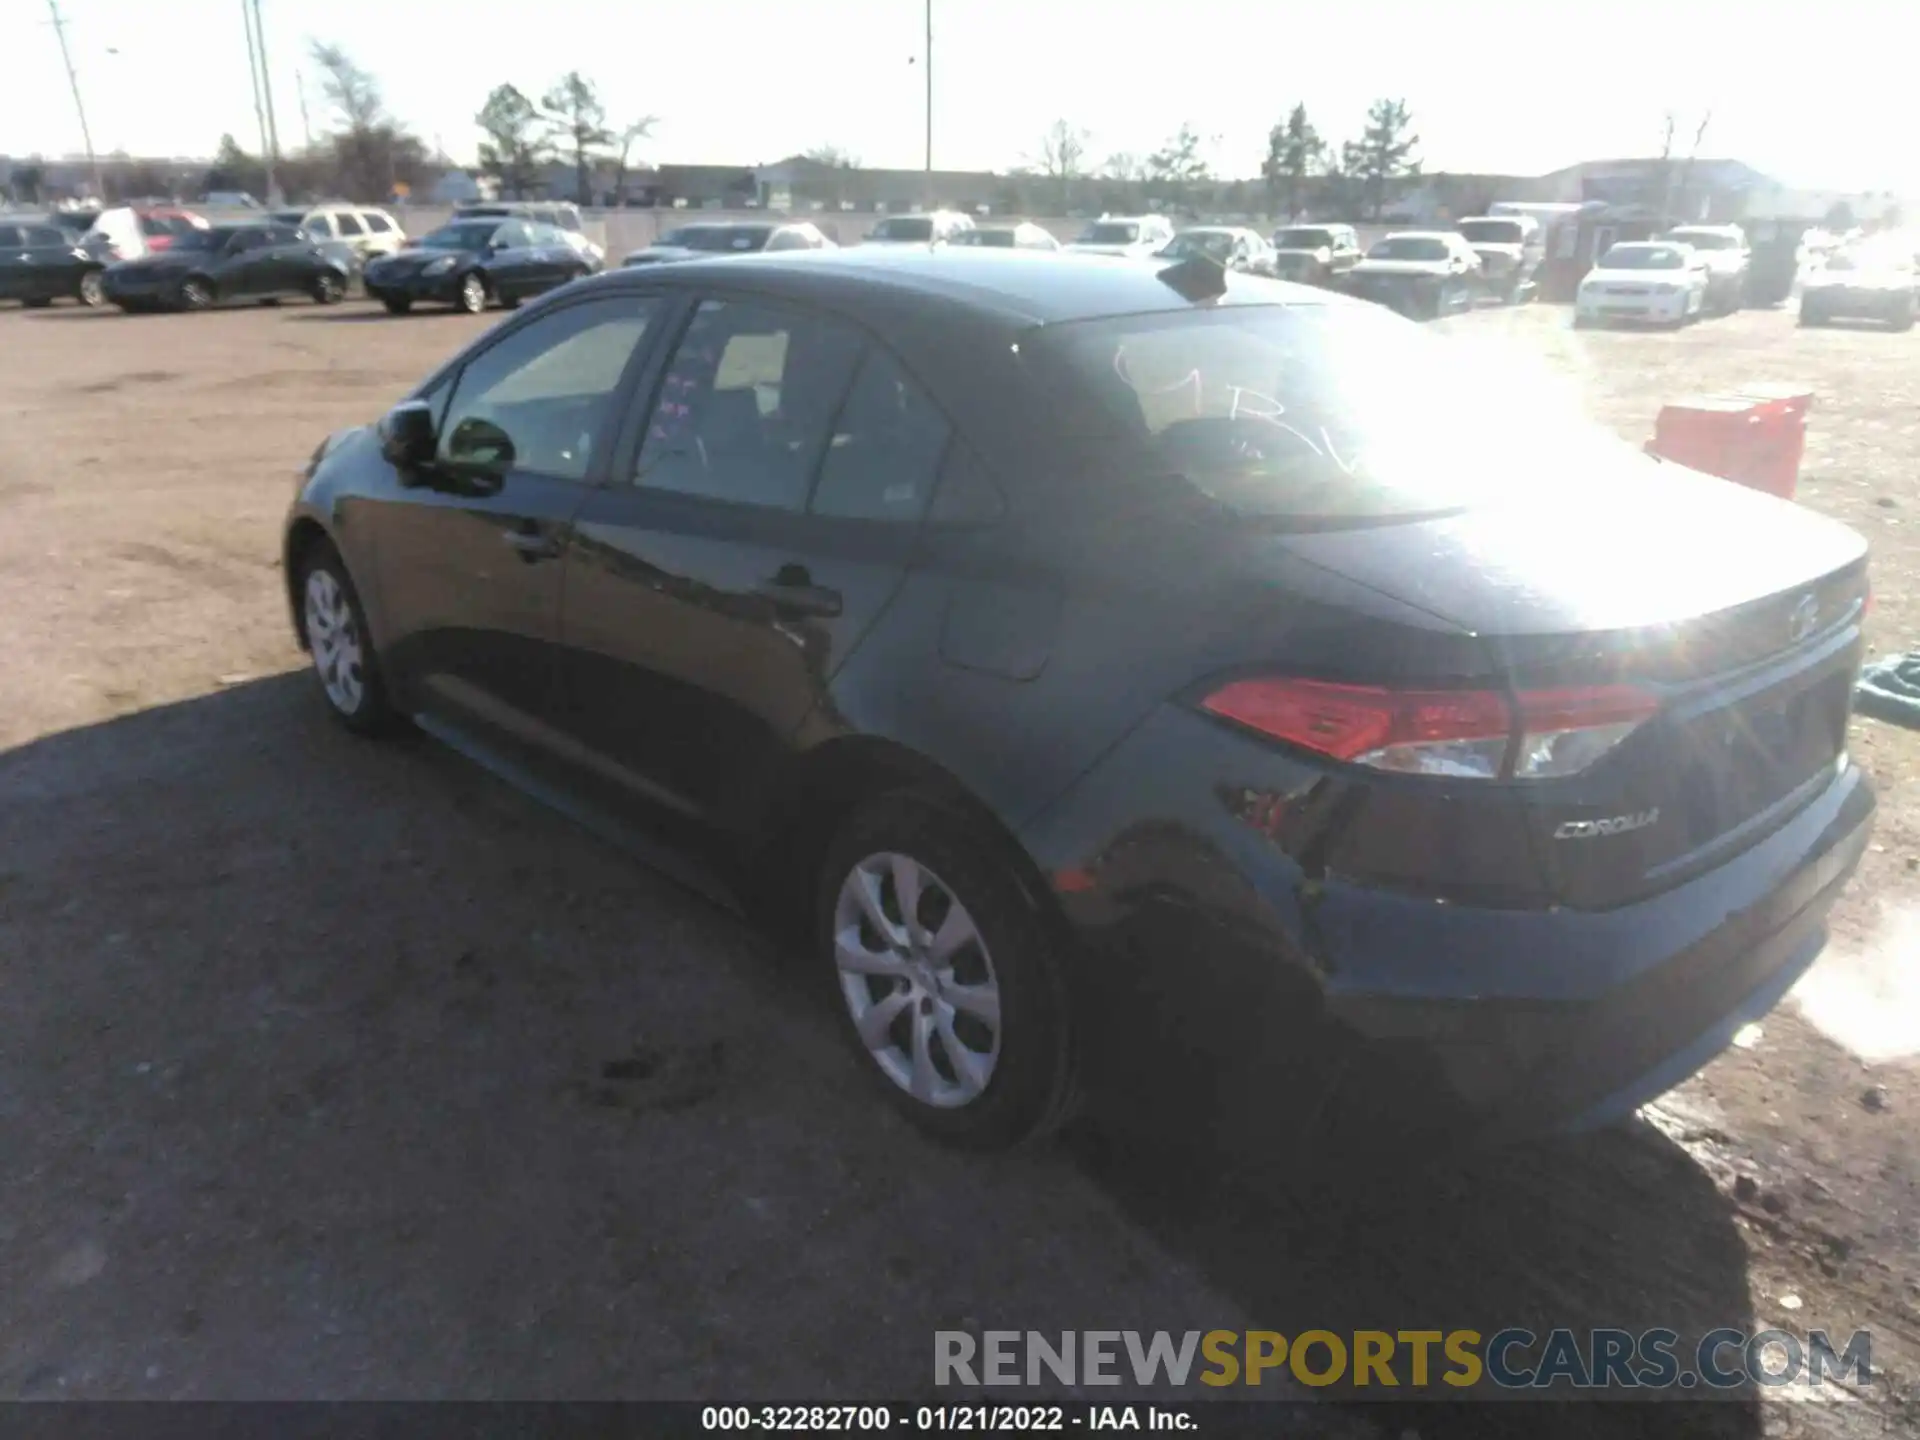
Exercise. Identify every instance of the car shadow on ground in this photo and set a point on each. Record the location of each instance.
(344, 1070)
(339, 317)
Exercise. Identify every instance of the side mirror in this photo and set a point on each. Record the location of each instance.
(480, 445)
(407, 438)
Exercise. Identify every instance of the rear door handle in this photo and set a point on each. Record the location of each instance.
(795, 594)
(533, 544)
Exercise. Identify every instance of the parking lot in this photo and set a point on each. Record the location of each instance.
(335, 1069)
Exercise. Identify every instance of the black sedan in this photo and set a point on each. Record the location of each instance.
(471, 264)
(202, 268)
(1184, 690)
(41, 263)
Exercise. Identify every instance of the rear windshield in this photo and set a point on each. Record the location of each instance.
(1704, 240)
(1409, 247)
(1493, 232)
(999, 239)
(1216, 244)
(1643, 257)
(1305, 413)
(1304, 240)
(1111, 232)
(904, 227)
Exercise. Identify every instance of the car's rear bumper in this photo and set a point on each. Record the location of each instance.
(1219, 984)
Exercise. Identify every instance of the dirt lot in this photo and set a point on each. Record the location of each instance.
(303, 1040)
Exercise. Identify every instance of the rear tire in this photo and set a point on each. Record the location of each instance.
(334, 625)
(1810, 319)
(958, 1016)
(397, 306)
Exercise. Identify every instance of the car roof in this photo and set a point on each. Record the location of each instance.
(1027, 290)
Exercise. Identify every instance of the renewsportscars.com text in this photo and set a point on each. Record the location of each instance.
(1723, 1359)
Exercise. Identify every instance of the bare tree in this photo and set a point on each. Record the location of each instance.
(1382, 159)
(639, 130)
(370, 156)
(833, 157)
(353, 93)
(514, 146)
(1295, 152)
(578, 121)
(1063, 156)
(1686, 168)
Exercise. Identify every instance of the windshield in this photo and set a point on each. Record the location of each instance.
(461, 235)
(1643, 257)
(726, 237)
(1216, 244)
(1409, 247)
(998, 239)
(1307, 413)
(1304, 240)
(1708, 240)
(295, 218)
(1493, 232)
(1110, 232)
(904, 227)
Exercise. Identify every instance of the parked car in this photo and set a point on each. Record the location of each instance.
(1864, 283)
(109, 234)
(230, 200)
(1423, 274)
(933, 228)
(732, 237)
(362, 230)
(1645, 281)
(1316, 254)
(160, 224)
(1511, 248)
(1103, 734)
(1233, 246)
(1020, 235)
(41, 263)
(1135, 235)
(1728, 258)
(562, 215)
(202, 268)
(471, 264)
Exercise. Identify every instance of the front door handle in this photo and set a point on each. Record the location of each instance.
(793, 592)
(533, 544)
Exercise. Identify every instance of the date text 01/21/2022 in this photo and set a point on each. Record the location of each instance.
(962, 1419)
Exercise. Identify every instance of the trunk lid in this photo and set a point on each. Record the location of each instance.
(1740, 611)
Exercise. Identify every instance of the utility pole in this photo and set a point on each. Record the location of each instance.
(266, 91)
(929, 6)
(306, 125)
(259, 105)
(73, 80)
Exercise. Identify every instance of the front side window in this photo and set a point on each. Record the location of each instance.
(538, 399)
(885, 453)
(747, 405)
(513, 235)
(320, 227)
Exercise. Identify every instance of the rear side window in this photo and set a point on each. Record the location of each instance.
(349, 224)
(42, 236)
(886, 447)
(377, 223)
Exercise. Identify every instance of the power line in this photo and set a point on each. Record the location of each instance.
(259, 106)
(266, 87)
(73, 80)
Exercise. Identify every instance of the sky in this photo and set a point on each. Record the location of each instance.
(1494, 86)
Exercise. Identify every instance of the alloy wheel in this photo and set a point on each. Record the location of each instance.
(93, 290)
(195, 295)
(334, 640)
(918, 980)
(473, 294)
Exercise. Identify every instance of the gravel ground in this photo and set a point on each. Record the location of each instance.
(305, 1043)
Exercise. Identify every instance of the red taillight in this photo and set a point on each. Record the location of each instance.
(1463, 733)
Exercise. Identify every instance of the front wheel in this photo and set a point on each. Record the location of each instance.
(196, 293)
(1810, 318)
(93, 290)
(334, 625)
(473, 294)
(944, 973)
(328, 288)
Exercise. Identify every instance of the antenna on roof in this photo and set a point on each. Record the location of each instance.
(1200, 277)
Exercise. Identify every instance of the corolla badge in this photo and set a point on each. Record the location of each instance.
(1611, 825)
(1805, 616)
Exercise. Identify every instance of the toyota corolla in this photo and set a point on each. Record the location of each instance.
(1186, 693)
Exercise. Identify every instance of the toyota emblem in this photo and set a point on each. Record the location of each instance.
(1805, 616)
